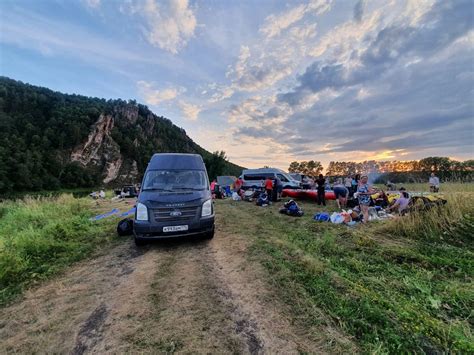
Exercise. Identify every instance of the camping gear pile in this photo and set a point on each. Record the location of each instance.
(250, 195)
(352, 216)
(291, 208)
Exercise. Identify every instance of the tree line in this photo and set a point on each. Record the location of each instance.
(39, 128)
(402, 171)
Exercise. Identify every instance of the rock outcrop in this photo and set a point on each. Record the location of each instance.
(101, 152)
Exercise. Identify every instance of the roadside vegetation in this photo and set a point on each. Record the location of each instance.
(41, 236)
(404, 285)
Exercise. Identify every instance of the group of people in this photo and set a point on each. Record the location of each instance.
(352, 187)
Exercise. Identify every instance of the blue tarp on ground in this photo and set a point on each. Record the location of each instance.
(104, 215)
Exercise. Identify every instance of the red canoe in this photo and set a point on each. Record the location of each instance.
(306, 194)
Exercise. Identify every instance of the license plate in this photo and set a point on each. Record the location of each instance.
(175, 228)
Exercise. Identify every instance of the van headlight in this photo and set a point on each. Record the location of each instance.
(206, 208)
(142, 212)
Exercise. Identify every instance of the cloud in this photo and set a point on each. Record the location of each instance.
(92, 3)
(62, 39)
(190, 111)
(169, 24)
(153, 96)
(390, 45)
(274, 24)
(359, 10)
(390, 93)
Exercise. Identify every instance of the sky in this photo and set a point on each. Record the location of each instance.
(268, 82)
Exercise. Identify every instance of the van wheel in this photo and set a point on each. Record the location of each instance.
(209, 235)
(139, 242)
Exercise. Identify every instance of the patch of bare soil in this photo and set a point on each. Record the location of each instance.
(181, 296)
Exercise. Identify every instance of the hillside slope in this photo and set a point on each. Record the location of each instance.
(50, 140)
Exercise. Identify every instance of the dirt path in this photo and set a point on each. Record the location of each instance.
(202, 296)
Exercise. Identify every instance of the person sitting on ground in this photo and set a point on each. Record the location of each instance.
(101, 194)
(434, 183)
(363, 194)
(321, 197)
(381, 199)
(268, 184)
(401, 204)
(402, 189)
(341, 193)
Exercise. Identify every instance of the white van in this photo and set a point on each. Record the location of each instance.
(255, 178)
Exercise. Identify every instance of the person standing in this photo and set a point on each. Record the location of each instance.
(321, 197)
(238, 185)
(348, 185)
(434, 183)
(268, 187)
(363, 194)
(277, 187)
(355, 183)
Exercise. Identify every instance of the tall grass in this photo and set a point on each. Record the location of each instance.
(40, 236)
(453, 222)
(445, 188)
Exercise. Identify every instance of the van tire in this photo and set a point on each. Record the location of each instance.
(209, 235)
(139, 242)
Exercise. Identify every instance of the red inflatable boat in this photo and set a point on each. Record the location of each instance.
(306, 194)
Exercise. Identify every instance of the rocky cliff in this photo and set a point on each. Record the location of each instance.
(52, 140)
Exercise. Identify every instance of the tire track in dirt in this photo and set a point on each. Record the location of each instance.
(181, 296)
(71, 313)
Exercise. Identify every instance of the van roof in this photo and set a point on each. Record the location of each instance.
(263, 170)
(176, 161)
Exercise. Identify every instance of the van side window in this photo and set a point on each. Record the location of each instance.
(282, 178)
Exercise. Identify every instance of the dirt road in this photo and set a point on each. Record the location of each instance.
(203, 296)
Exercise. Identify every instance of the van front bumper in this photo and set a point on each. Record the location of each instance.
(146, 230)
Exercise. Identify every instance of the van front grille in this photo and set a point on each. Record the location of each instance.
(175, 214)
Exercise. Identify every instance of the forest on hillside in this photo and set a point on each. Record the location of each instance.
(39, 128)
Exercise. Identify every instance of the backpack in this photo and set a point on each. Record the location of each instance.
(321, 217)
(291, 208)
(263, 199)
(125, 227)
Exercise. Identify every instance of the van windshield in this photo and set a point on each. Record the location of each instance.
(175, 180)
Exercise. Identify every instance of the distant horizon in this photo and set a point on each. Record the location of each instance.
(267, 82)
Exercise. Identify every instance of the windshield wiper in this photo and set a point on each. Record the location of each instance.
(157, 189)
(188, 188)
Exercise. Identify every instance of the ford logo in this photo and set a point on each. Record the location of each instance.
(175, 213)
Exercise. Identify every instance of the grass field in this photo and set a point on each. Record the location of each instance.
(397, 286)
(39, 237)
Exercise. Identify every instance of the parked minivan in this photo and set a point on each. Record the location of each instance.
(254, 178)
(174, 200)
